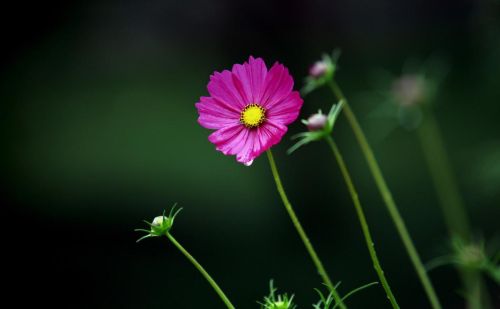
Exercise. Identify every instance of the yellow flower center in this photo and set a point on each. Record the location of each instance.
(253, 115)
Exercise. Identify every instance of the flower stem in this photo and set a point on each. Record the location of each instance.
(387, 197)
(450, 199)
(202, 271)
(440, 169)
(362, 221)
(314, 256)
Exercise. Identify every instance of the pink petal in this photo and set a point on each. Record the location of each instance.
(260, 140)
(287, 110)
(222, 88)
(252, 76)
(214, 114)
(241, 74)
(268, 135)
(225, 134)
(247, 144)
(278, 84)
(231, 140)
(245, 153)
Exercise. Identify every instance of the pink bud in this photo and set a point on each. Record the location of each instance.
(318, 69)
(316, 122)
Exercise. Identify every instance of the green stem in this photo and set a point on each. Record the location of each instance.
(314, 256)
(387, 197)
(362, 221)
(440, 169)
(450, 199)
(202, 271)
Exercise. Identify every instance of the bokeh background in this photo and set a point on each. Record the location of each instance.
(99, 131)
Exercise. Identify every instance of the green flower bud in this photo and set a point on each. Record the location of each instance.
(275, 301)
(160, 225)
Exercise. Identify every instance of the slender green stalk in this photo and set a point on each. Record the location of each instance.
(387, 197)
(314, 256)
(362, 221)
(440, 169)
(202, 271)
(450, 199)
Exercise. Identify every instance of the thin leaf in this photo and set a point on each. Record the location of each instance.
(302, 142)
(334, 113)
(144, 237)
(355, 291)
(321, 296)
(299, 135)
(142, 230)
(439, 261)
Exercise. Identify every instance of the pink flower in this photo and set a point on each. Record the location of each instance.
(250, 107)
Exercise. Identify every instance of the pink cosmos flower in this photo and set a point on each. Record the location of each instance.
(250, 107)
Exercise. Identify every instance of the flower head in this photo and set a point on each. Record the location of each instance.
(249, 107)
(160, 225)
(274, 301)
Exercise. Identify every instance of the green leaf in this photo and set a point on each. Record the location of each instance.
(334, 113)
(307, 137)
(355, 291)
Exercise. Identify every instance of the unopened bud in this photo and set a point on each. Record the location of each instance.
(280, 305)
(317, 122)
(160, 225)
(158, 221)
(318, 69)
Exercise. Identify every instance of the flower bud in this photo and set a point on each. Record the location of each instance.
(275, 301)
(318, 69)
(158, 221)
(316, 122)
(279, 305)
(160, 225)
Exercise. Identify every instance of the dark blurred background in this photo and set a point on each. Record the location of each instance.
(99, 131)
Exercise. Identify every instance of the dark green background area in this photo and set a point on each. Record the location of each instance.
(99, 131)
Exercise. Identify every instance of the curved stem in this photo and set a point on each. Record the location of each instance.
(387, 197)
(314, 256)
(362, 221)
(202, 271)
